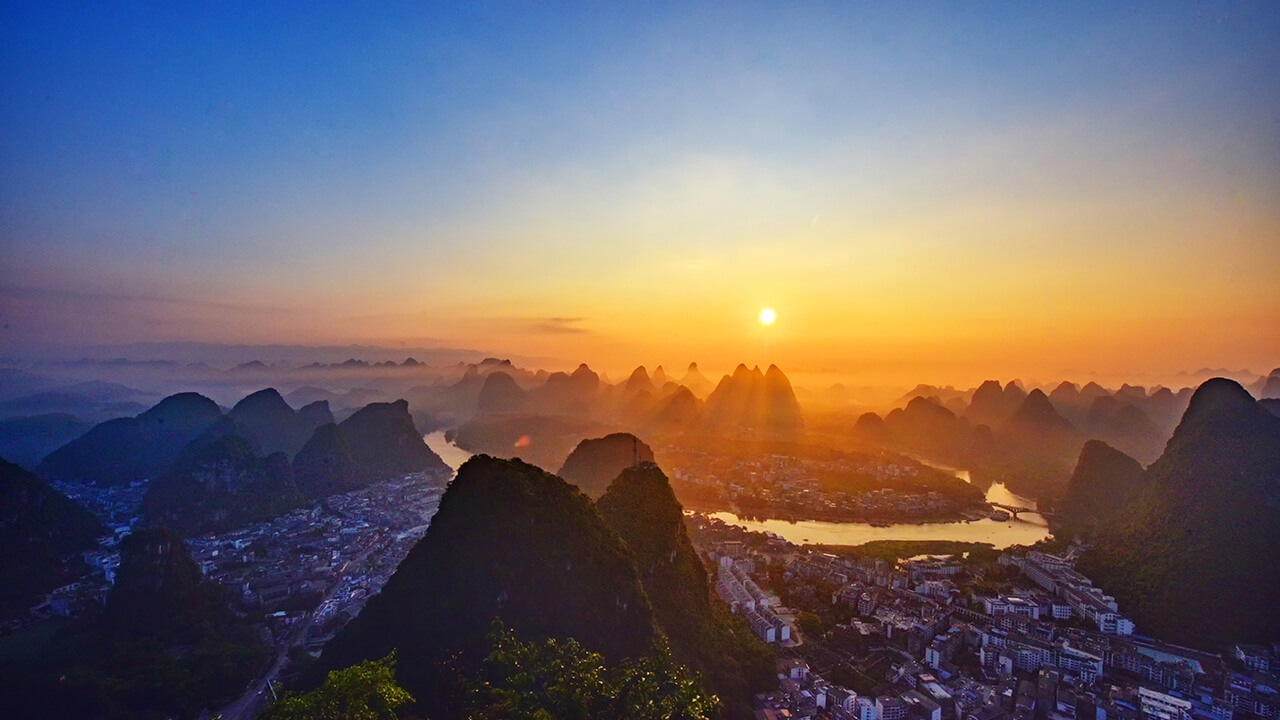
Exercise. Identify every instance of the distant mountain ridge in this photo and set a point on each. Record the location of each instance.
(125, 450)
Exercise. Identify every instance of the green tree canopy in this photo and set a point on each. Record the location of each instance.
(562, 680)
(367, 691)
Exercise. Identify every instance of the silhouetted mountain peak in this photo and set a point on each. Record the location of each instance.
(270, 423)
(677, 410)
(1103, 481)
(696, 381)
(1218, 401)
(181, 406)
(267, 400)
(1093, 389)
(595, 462)
(585, 376)
(314, 414)
(1036, 410)
(658, 377)
(385, 443)
(638, 381)
(324, 465)
(37, 525)
(509, 541)
(160, 593)
(927, 406)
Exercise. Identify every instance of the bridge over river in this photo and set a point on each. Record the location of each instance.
(1014, 510)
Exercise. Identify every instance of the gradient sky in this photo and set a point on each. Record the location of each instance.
(923, 191)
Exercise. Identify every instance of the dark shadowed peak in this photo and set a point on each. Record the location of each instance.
(509, 541)
(219, 483)
(269, 422)
(37, 525)
(267, 400)
(121, 451)
(1104, 481)
(160, 593)
(870, 429)
(1205, 528)
(324, 465)
(641, 507)
(1218, 402)
(595, 462)
(314, 414)
(385, 443)
(182, 405)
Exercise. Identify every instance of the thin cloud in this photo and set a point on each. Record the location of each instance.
(560, 326)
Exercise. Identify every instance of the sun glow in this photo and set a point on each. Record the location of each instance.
(767, 316)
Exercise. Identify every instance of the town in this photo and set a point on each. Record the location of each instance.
(984, 636)
(305, 574)
(880, 489)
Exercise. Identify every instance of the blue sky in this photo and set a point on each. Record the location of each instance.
(462, 173)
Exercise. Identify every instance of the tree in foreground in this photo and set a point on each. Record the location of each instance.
(367, 691)
(561, 679)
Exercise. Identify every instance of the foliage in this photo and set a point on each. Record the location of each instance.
(561, 679)
(367, 691)
(895, 549)
(810, 624)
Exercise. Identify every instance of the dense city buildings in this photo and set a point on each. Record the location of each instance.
(1019, 635)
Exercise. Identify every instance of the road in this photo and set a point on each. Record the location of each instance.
(257, 695)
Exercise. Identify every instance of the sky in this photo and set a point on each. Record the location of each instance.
(923, 192)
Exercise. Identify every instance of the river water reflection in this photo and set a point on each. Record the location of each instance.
(452, 455)
(1023, 531)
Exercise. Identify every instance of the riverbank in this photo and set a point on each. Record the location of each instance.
(899, 549)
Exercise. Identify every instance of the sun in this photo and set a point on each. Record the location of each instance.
(767, 316)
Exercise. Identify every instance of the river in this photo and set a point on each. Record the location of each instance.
(452, 455)
(1026, 530)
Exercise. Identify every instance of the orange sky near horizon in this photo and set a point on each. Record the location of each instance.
(1077, 191)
